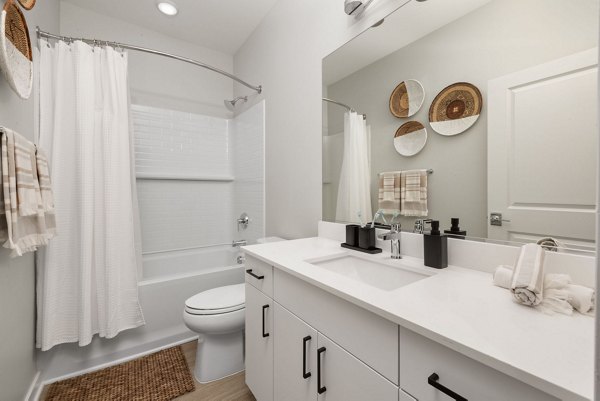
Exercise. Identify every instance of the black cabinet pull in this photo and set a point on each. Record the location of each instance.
(433, 381)
(265, 307)
(320, 389)
(305, 374)
(249, 271)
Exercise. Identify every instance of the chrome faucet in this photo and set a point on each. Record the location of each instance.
(422, 226)
(393, 236)
(238, 243)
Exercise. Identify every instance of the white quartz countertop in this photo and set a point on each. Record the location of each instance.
(461, 309)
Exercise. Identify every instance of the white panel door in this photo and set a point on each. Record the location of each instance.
(295, 365)
(342, 377)
(259, 344)
(542, 150)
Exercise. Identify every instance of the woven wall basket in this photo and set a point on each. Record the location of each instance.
(27, 4)
(16, 60)
(455, 109)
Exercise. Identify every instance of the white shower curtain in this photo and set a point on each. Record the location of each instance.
(354, 195)
(87, 276)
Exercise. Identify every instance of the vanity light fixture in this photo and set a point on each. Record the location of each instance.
(167, 7)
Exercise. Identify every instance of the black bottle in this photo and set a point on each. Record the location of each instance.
(455, 231)
(435, 247)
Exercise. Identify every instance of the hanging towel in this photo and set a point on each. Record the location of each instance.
(527, 284)
(21, 232)
(413, 193)
(43, 173)
(389, 192)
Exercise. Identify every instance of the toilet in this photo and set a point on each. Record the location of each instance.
(217, 315)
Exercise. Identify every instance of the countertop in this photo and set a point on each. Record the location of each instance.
(461, 309)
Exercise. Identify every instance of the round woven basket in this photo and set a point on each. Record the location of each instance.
(455, 109)
(407, 98)
(16, 59)
(27, 4)
(410, 138)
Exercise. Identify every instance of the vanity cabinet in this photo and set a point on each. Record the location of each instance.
(259, 343)
(421, 358)
(309, 366)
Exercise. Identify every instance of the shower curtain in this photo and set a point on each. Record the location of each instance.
(354, 195)
(87, 277)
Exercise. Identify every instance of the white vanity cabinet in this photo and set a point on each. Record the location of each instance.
(259, 343)
(311, 367)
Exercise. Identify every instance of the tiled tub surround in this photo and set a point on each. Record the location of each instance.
(459, 310)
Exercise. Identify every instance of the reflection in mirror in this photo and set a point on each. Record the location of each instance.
(525, 167)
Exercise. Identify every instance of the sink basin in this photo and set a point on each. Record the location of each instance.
(373, 273)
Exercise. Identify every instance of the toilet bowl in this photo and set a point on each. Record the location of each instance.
(217, 315)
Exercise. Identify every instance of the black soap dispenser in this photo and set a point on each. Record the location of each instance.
(455, 231)
(435, 247)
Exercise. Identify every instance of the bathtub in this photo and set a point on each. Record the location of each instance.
(169, 279)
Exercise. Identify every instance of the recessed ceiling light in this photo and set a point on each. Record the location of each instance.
(167, 7)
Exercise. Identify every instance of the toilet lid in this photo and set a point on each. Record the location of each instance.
(218, 300)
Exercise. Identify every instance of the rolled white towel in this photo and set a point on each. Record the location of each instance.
(527, 283)
(555, 301)
(502, 276)
(581, 298)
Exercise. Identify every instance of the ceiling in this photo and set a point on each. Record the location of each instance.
(404, 26)
(222, 25)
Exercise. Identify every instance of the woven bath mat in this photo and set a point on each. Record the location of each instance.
(157, 377)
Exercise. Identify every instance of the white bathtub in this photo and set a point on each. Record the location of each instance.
(169, 279)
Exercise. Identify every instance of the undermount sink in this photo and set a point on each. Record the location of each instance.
(373, 273)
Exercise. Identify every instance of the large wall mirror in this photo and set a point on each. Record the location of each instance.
(511, 149)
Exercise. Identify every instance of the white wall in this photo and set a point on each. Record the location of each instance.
(499, 38)
(17, 276)
(158, 81)
(284, 55)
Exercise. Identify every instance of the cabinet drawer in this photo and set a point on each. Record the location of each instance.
(259, 274)
(421, 357)
(367, 336)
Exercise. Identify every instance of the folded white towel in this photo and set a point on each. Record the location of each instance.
(503, 276)
(581, 298)
(527, 283)
(556, 281)
(555, 301)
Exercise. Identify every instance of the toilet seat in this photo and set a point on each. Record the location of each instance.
(217, 301)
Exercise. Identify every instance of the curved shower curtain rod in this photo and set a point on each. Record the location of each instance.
(343, 105)
(42, 34)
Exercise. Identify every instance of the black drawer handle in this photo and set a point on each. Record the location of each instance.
(249, 271)
(433, 381)
(305, 374)
(265, 307)
(320, 389)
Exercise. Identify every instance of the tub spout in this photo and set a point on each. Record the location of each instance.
(238, 243)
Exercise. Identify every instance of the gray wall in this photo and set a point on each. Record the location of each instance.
(17, 276)
(499, 38)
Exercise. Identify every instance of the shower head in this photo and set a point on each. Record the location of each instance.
(230, 104)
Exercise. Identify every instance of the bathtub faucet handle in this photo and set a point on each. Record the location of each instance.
(243, 221)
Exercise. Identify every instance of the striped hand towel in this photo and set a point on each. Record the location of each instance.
(43, 173)
(21, 233)
(24, 157)
(413, 193)
(389, 192)
(527, 283)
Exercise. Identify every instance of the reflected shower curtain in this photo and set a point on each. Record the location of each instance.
(354, 195)
(87, 277)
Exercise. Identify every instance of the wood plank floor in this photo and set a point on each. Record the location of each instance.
(232, 388)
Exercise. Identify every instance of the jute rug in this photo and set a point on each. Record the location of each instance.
(157, 377)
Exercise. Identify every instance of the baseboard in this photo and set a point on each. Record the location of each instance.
(32, 393)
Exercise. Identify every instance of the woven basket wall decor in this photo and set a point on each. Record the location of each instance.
(16, 60)
(455, 109)
(407, 98)
(27, 4)
(410, 138)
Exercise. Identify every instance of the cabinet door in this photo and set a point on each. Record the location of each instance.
(342, 377)
(259, 344)
(295, 358)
